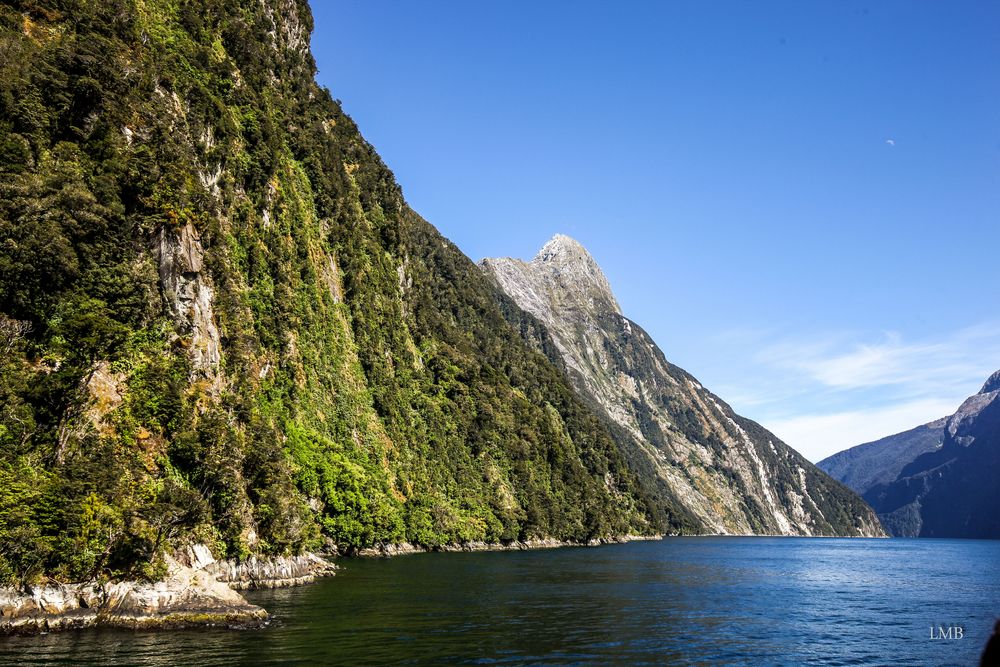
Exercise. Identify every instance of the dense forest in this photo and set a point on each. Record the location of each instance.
(220, 322)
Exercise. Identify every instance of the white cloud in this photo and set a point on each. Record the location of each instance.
(817, 436)
(891, 142)
(967, 355)
(828, 392)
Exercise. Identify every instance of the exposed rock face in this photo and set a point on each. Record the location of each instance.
(198, 590)
(102, 389)
(992, 384)
(720, 472)
(881, 461)
(270, 572)
(188, 293)
(950, 491)
(186, 597)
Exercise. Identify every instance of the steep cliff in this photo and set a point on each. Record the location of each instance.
(222, 324)
(723, 473)
(950, 491)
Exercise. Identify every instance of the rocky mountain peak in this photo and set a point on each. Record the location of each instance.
(562, 248)
(992, 384)
(562, 280)
(967, 414)
(565, 267)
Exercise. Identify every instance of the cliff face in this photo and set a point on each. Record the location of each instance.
(222, 324)
(950, 491)
(718, 471)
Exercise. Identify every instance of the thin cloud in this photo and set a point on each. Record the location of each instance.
(817, 436)
(836, 390)
(965, 355)
(891, 142)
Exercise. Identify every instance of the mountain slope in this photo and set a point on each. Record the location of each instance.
(879, 462)
(728, 473)
(221, 323)
(951, 491)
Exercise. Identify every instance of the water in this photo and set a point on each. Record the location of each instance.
(691, 601)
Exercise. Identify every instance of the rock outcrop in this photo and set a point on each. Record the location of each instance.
(188, 296)
(198, 590)
(279, 572)
(719, 472)
(406, 548)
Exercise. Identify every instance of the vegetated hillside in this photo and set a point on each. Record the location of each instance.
(880, 462)
(704, 463)
(221, 322)
(951, 491)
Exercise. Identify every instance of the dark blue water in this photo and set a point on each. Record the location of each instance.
(749, 601)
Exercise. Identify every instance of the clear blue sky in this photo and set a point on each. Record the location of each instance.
(800, 201)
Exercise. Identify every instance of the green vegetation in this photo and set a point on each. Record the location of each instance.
(369, 387)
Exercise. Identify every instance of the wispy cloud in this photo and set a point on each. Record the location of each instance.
(917, 366)
(817, 436)
(831, 391)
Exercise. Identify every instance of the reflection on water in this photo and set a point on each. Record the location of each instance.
(683, 600)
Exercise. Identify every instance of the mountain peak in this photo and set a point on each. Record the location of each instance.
(992, 384)
(562, 273)
(562, 248)
(572, 269)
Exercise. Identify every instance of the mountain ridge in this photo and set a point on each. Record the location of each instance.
(880, 461)
(942, 490)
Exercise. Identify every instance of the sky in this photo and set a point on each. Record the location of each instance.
(799, 201)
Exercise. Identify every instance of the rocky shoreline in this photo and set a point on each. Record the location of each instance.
(405, 548)
(202, 591)
(197, 591)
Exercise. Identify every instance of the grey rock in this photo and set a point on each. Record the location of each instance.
(405, 548)
(188, 293)
(198, 590)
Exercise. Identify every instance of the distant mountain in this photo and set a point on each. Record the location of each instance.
(951, 490)
(881, 461)
(720, 472)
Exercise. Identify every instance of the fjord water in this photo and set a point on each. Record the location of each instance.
(677, 601)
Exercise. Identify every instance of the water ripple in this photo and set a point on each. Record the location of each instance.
(692, 601)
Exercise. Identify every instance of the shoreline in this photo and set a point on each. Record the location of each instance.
(200, 591)
(406, 548)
